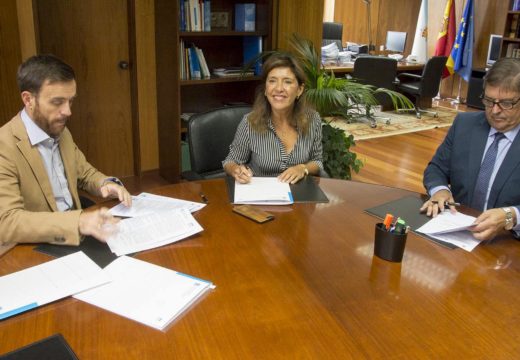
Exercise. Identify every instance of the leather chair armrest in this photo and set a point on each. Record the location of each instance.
(415, 76)
(191, 175)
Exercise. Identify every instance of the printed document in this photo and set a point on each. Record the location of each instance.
(47, 282)
(263, 191)
(451, 228)
(151, 231)
(144, 292)
(146, 203)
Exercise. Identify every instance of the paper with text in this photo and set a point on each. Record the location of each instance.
(151, 231)
(144, 292)
(451, 228)
(47, 282)
(146, 203)
(263, 191)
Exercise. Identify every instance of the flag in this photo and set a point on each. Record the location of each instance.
(446, 36)
(420, 45)
(461, 57)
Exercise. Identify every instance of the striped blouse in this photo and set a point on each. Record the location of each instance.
(265, 153)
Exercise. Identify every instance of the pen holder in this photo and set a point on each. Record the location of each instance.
(388, 245)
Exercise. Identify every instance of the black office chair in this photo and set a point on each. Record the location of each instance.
(380, 72)
(332, 32)
(209, 136)
(425, 85)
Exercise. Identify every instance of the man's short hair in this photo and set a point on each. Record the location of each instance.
(505, 73)
(38, 69)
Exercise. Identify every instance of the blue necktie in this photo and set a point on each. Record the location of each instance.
(484, 175)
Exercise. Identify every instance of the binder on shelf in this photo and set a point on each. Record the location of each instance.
(207, 15)
(516, 5)
(195, 16)
(252, 48)
(204, 70)
(245, 16)
(193, 63)
(182, 17)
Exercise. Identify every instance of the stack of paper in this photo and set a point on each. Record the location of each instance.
(146, 203)
(151, 231)
(263, 191)
(146, 293)
(451, 228)
(47, 282)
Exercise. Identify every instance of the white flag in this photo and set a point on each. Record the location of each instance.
(420, 42)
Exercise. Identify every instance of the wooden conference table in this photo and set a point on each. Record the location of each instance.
(304, 286)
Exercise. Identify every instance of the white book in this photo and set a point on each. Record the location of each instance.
(262, 191)
(144, 292)
(203, 65)
(48, 282)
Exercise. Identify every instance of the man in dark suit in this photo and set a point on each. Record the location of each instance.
(478, 163)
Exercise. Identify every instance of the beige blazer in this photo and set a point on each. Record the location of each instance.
(28, 211)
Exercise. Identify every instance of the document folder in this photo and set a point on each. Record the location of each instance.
(54, 347)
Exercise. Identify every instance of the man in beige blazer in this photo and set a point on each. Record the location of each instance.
(41, 168)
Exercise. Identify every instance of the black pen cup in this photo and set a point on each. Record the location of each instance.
(389, 245)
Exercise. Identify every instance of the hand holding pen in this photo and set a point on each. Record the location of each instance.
(436, 204)
(242, 173)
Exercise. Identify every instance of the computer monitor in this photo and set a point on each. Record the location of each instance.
(395, 41)
(494, 49)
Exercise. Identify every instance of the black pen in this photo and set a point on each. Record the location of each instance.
(447, 203)
(204, 198)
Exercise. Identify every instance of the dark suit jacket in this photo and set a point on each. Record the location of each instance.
(457, 163)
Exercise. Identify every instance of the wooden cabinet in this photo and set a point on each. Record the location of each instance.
(222, 48)
(511, 35)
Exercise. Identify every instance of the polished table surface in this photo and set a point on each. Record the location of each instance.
(401, 67)
(303, 286)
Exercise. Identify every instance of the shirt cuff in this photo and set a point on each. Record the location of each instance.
(114, 180)
(436, 189)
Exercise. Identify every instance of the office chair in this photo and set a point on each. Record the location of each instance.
(425, 85)
(209, 136)
(332, 32)
(380, 72)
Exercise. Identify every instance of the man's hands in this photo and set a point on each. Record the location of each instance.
(98, 223)
(489, 224)
(112, 190)
(435, 205)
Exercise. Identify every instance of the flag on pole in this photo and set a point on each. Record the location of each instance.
(420, 42)
(446, 36)
(461, 57)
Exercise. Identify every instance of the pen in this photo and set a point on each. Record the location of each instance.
(388, 221)
(447, 203)
(204, 198)
(400, 227)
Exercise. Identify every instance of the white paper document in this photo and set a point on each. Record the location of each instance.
(146, 203)
(47, 282)
(144, 292)
(263, 191)
(151, 231)
(451, 228)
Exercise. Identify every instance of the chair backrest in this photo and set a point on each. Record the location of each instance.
(378, 71)
(431, 76)
(332, 32)
(209, 136)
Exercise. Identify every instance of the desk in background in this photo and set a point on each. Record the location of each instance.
(401, 67)
(305, 285)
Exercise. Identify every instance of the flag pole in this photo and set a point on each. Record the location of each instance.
(458, 100)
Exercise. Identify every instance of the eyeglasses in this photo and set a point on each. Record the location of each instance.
(503, 104)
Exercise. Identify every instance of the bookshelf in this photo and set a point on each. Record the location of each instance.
(511, 35)
(222, 47)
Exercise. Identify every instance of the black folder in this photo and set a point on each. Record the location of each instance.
(99, 252)
(407, 208)
(54, 347)
(304, 191)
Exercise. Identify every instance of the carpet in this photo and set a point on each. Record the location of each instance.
(399, 124)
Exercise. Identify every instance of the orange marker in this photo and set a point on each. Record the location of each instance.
(388, 221)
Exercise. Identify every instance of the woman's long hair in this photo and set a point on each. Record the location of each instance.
(262, 108)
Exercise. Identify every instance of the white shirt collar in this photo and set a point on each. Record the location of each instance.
(35, 133)
(510, 135)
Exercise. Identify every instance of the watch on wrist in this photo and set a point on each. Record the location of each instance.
(305, 170)
(509, 218)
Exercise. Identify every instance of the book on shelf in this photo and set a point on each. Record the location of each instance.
(252, 46)
(510, 48)
(513, 28)
(195, 15)
(245, 16)
(516, 5)
(204, 70)
(207, 15)
(194, 63)
(232, 72)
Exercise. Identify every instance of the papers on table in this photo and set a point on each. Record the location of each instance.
(451, 228)
(262, 191)
(47, 282)
(151, 231)
(146, 203)
(146, 293)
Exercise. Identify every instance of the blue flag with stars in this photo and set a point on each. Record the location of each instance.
(461, 57)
